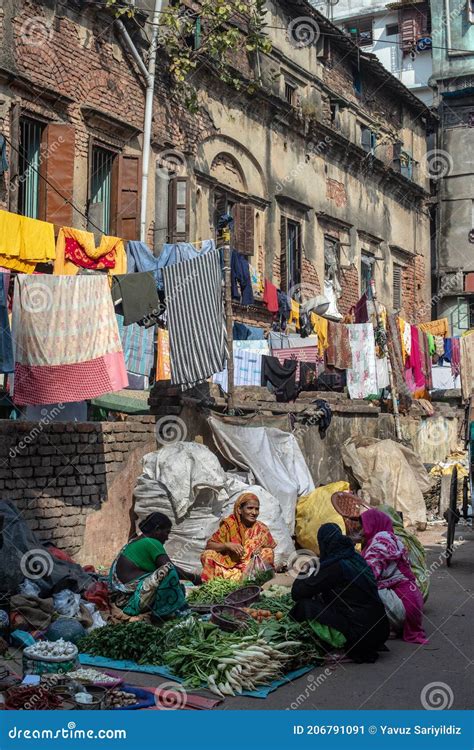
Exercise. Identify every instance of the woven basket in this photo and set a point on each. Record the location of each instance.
(33, 664)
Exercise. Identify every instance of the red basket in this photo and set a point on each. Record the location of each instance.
(221, 614)
(243, 597)
(348, 505)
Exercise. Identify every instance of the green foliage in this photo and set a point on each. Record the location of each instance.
(209, 36)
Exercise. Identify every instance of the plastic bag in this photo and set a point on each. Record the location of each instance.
(67, 603)
(28, 588)
(258, 570)
(97, 619)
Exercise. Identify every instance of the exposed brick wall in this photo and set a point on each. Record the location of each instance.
(336, 192)
(59, 474)
(349, 281)
(413, 282)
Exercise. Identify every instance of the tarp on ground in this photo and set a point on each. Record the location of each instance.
(22, 556)
(273, 458)
(389, 473)
(185, 481)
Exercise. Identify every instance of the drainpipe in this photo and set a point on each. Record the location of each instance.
(149, 75)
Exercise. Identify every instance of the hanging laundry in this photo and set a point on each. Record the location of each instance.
(256, 277)
(361, 314)
(243, 332)
(76, 249)
(240, 274)
(383, 379)
(448, 349)
(431, 344)
(467, 366)
(251, 345)
(163, 364)
(330, 294)
(439, 343)
(294, 319)
(140, 259)
(455, 356)
(320, 327)
(362, 377)
(308, 380)
(3, 156)
(247, 370)
(338, 353)
(284, 309)
(178, 252)
(436, 327)
(196, 322)
(425, 358)
(25, 242)
(394, 345)
(270, 297)
(298, 355)
(138, 344)
(66, 339)
(414, 362)
(135, 296)
(405, 335)
(290, 340)
(282, 378)
(6, 347)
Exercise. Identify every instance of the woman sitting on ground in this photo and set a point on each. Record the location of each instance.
(340, 599)
(238, 539)
(397, 584)
(144, 576)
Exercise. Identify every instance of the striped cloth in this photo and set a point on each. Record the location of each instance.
(300, 353)
(196, 323)
(247, 370)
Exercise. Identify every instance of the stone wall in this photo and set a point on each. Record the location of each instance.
(73, 482)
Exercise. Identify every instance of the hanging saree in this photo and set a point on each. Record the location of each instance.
(255, 539)
(159, 592)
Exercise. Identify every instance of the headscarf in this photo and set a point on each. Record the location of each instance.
(335, 547)
(382, 546)
(246, 497)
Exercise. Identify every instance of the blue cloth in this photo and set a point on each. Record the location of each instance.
(284, 308)
(448, 351)
(240, 277)
(6, 347)
(178, 252)
(140, 259)
(242, 332)
(138, 344)
(3, 155)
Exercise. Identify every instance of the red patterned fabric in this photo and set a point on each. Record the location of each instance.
(63, 383)
(270, 296)
(77, 255)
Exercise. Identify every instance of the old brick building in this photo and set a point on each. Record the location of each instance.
(323, 162)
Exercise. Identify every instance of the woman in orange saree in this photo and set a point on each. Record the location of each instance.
(239, 538)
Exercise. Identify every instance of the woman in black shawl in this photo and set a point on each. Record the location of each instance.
(343, 594)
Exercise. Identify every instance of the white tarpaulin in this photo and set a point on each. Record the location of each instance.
(389, 473)
(186, 482)
(270, 514)
(273, 457)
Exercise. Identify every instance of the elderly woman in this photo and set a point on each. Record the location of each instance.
(239, 538)
(144, 577)
(340, 597)
(390, 564)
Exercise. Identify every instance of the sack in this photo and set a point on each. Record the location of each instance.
(394, 609)
(315, 509)
(258, 570)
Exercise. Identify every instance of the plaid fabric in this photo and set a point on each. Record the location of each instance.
(138, 345)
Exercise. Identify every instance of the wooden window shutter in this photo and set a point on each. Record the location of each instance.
(13, 157)
(244, 228)
(178, 209)
(58, 151)
(283, 255)
(411, 27)
(127, 209)
(397, 287)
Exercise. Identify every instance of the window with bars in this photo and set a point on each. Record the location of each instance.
(29, 164)
(332, 253)
(291, 246)
(101, 169)
(397, 286)
(178, 209)
(290, 93)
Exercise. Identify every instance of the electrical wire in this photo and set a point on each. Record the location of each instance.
(42, 177)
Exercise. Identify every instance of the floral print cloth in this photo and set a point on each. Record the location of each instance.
(362, 377)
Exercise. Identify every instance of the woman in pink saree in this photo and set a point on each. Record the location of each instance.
(390, 564)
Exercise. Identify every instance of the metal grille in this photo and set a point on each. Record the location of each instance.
(101, 184)
(397, 287)
(29, 165)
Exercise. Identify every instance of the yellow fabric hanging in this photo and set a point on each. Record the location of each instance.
(295, 314)
(26, 239)
(86, 240)
(15, 264)
(320, 327)
(436, 327)
(401, 324)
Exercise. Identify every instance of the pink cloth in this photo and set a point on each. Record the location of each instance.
(414, 362)
(455, 356)
(390, 564)
(300, 353)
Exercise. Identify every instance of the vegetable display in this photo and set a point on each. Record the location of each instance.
(48, 649)
(120, 699)
(92, 675)
(36, 698)
(213, 592)
(125, 641)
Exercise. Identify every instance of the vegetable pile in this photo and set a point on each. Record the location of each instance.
(213, 592)
(48, 649)
(120, 698)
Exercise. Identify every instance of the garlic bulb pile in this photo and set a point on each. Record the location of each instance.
(47, 649)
